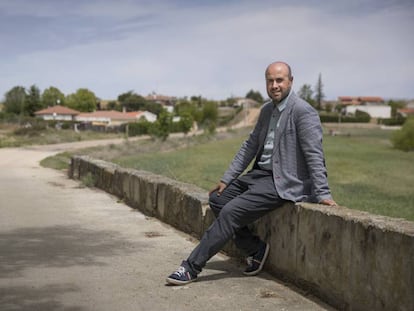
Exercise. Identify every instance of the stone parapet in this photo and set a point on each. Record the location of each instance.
(351, 259)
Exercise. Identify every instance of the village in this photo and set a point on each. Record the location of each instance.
(376, 107)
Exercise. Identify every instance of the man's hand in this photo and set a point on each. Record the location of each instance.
(220, 187)
(328, 202)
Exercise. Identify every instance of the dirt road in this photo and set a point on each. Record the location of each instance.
(63, 247)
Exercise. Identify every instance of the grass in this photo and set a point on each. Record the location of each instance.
(60, 161)
(200, 164)
(48, 136)
(365, 173)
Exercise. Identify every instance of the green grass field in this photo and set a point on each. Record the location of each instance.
(365, 172)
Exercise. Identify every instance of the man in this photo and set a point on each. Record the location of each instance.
(286, 144)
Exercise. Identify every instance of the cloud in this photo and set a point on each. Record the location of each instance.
(215, 51)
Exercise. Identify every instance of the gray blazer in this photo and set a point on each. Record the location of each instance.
(299, 170)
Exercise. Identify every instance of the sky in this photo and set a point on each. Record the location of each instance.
(214, 49)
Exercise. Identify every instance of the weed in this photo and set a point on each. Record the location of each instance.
(88, 180)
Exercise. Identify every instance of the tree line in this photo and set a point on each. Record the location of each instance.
(22, 102)
(19, 100)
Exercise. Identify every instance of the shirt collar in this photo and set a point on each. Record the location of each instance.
(282, 105)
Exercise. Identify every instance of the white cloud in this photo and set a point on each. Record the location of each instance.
(219, 51)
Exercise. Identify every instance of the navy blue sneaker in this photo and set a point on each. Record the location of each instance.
(256, 262)
(182, 276)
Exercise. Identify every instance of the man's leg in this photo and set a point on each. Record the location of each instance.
(243, 237)
(260, 198)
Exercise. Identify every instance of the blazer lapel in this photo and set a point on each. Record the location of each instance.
(263, 132)
(283, 119)
(266, 121)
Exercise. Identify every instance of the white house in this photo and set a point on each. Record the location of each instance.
(149, 116)
(112, 117)
(374, 106)
(375, 111)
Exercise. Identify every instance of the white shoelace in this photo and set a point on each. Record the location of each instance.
(180, 271)
(249, 260)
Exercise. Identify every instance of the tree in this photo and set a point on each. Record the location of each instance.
(306, 93)
(155, 108)
(161, 127)
(132, 101)
(186, 122)
(113, 105)
(403, 139)
(184, 107)
(32, 102)
(255, 95)
(319, 95)
(14, 100)
(52, 96)
(395, 105)
(209, 116)
(83, 100)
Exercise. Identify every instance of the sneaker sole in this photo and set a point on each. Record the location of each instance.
(178, 282)
(255, 272)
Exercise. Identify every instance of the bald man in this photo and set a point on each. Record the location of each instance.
(289, 166)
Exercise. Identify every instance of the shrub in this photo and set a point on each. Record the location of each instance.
(360, 117)
(392, 121)
(88, 180)
(404, 139)
(138, 128)
(162, 127)
(31, 128)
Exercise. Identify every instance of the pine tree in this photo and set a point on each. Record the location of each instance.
(33, 102)
(319, 95)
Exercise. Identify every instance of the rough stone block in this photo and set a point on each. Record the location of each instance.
(279, 229)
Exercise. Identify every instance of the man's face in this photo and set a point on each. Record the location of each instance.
(278, 82)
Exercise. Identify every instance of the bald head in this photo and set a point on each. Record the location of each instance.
(278, 81)
(281, 65)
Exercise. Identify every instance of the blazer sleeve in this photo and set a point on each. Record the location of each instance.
(310, 134)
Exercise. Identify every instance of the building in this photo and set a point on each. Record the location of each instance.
(114, 118)
(360, 100)
(58, 113)
(100, 117)
(374, 106)
(140, 115)
(168, 102)
(406, 112)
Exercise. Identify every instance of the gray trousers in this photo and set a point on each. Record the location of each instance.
(245, 200)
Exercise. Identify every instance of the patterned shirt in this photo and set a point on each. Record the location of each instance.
(265, 162)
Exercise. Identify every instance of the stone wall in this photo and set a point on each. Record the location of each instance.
(351, 259)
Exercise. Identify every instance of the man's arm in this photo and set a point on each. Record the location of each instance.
(310, 135)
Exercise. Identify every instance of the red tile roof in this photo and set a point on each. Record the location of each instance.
(371, 99)
(357, 100)
(61, 110)
(110, 114)
(407, 111)
(134, 114)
